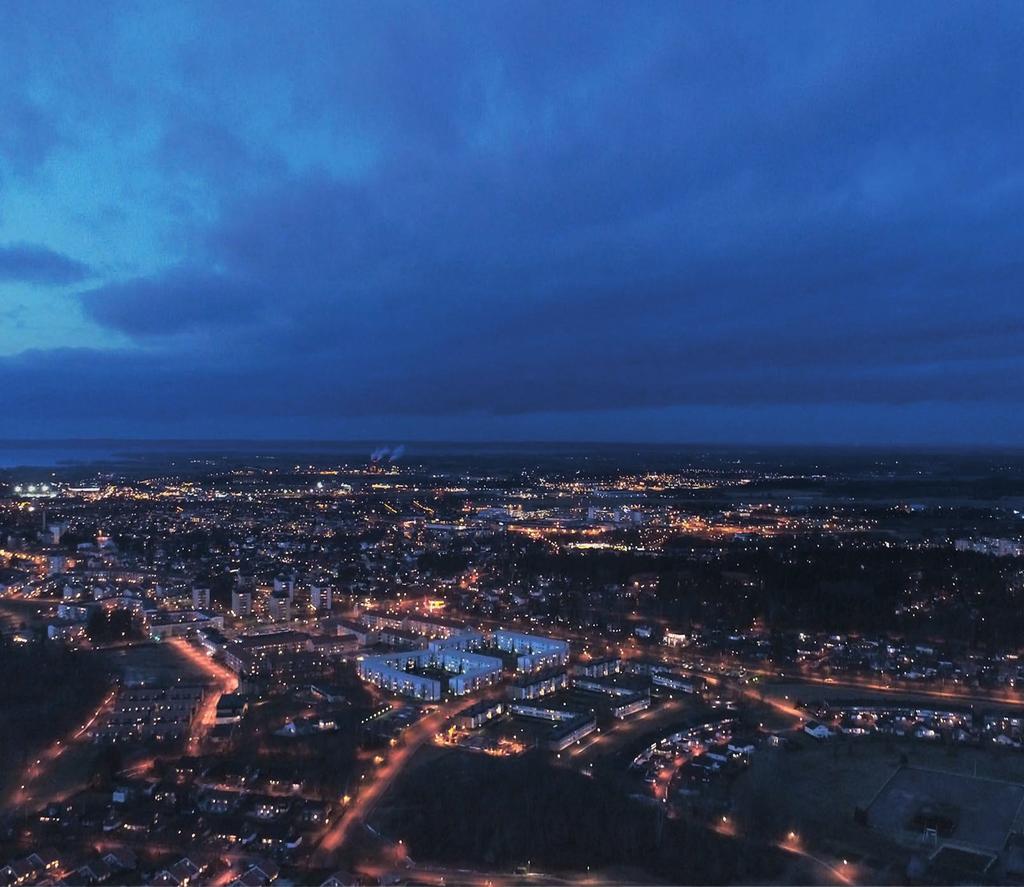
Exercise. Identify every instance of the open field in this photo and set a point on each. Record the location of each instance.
(153, 663)
(502, 814)
(62, 774)
(15, 612)
(974, 810)
(816, 789)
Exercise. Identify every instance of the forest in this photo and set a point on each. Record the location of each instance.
(46, 692)
(487, 813)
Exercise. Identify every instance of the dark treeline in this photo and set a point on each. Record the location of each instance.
(46, 692)
(107, 626)
(478, 811)
(789, 585)
(326, 762)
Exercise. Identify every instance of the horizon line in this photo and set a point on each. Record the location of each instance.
(376, 441)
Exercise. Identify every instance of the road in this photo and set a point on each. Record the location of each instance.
(382, 779)
(33, 791)
(223, 679)
(963, 695)
(840, 870)
(612, 738)
(440, 876)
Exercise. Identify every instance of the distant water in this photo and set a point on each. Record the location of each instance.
(71, 453)
(26, 455)
(57, 453)
(114, 454)
(121, 454)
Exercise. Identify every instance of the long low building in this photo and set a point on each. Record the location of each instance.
(475, 716)
(179, 623)
(569, 725)
(623, 707)
(415, 624)
(141, 713)
(463, 640)
(567, 733)
(388, 675)
(682, 683)
(537, 684)
(398, 672)
(598, 668)
(247, 653)
(606, 687)
(533, 651)
(541, 712)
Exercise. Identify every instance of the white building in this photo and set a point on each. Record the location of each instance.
(534, 652)
(397, 671)
(817, 730)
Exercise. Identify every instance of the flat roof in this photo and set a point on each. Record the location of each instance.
(537, 677)
(481, 707)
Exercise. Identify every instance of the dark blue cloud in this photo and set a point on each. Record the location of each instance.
(178, 301)
(27, 134)
(522, 210)
(30, 263)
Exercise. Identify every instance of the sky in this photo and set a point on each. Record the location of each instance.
(743, 222)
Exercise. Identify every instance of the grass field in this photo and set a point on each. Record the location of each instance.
(815, 790)
(153, 663)
(981, 811)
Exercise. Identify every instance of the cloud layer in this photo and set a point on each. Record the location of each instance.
(527, 210)
(29, 263)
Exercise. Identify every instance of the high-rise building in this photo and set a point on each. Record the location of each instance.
(321, 596)
(280, 606)
(241, 602)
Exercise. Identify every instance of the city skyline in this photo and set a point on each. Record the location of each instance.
(547, 665)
